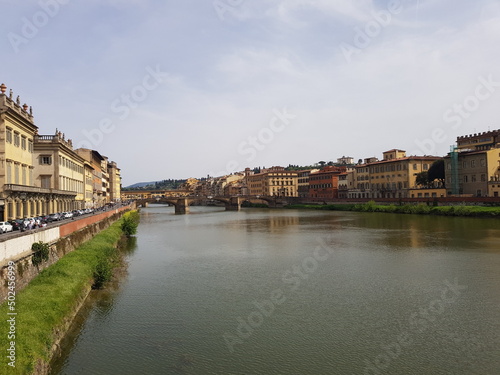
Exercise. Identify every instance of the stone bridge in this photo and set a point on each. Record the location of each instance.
(232, 203)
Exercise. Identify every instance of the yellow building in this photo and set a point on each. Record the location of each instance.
(360, 186)
(395, 175)
(19, 197)
(275, 181)
(59, 168)
(95, 162)
(428, 193)
(115, 182)
(89, 184)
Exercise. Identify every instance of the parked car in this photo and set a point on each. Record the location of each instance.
(47, 219)
(68, 215)
(17, 224)
(55, 217)
(5, 227)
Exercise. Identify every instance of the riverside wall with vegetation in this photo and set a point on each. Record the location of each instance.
(61, 239)
(422, 209)
(34, 320)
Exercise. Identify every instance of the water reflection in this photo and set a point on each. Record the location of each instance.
(193, 278)
(98, 305)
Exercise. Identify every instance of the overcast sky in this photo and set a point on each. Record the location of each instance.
(186, 88)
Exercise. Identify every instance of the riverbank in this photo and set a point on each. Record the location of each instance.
(420, 209)
(46, 307)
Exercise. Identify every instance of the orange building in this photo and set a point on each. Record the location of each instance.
(325, 183)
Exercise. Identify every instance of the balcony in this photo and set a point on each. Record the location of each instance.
(57, 138)
(34, 189)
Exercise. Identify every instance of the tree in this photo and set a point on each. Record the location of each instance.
(322, 163)
(422, 179)
(436, 172)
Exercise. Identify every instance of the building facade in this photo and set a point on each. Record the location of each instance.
(115, 182)
(303, 182)
(274, 181)
(59, 168)
(472, 168)
(325, 183)
(395, 175)
(95, 163)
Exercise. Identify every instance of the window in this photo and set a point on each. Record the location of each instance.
(23, 142)
(46, 160)
(9, 172)
(16, 174)
(466, 179)
(472, 163)
(45, 182)
(17, 139)
(9, 135)
(473, 178)
(483, 163)
(30, 146)
(24, 175)
(426, 167)
(483, 177)
(414, 167)
(464, 164)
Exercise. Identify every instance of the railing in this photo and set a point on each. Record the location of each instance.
(50, 138)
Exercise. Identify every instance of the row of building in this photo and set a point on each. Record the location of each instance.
(472, 168)
(43, 174)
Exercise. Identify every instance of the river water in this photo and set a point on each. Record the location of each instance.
(296, 292)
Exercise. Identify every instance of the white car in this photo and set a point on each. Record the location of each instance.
(68, 215)
(5, 227)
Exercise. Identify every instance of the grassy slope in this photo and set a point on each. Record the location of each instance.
(49, 298)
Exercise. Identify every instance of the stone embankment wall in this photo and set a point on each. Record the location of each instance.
(62, 240)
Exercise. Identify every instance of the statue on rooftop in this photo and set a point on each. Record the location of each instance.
(11, 93)
(18, 100)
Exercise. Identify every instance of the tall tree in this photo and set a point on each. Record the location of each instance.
(436, 172)
(422, 179)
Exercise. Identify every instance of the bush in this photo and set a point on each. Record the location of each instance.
(102, 273)
(130, 223)
(40, 253)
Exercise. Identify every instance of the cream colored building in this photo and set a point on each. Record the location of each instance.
(60, 168)
(275, 181)
(115, 182)
(220, 183)
(95, 161)
(89, 184)
(23, 193)
(19, 196)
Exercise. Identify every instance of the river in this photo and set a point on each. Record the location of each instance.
(296, 292)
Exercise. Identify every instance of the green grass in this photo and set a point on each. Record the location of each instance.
(459, 210)
(50, 297)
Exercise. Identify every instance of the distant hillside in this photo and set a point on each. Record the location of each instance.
(140, 185)
(169, 184)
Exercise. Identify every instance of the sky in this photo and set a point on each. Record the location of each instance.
(178, 89)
